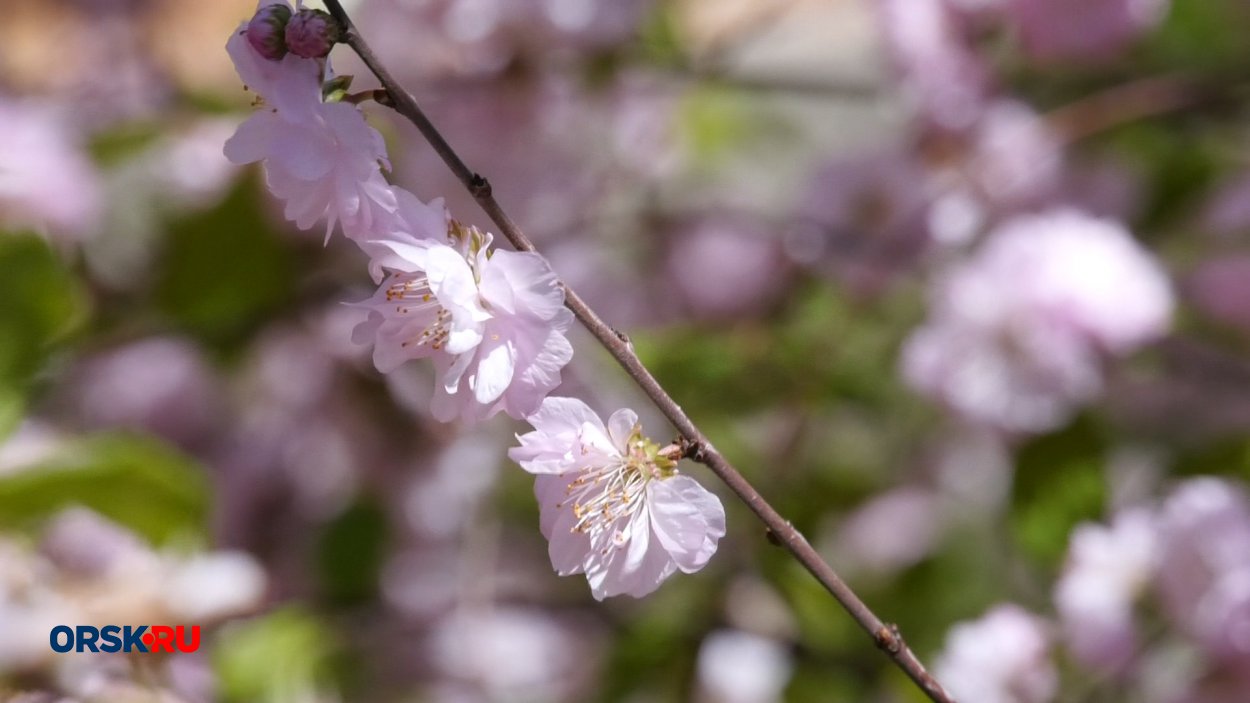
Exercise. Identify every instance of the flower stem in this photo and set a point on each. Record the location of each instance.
(696, 445)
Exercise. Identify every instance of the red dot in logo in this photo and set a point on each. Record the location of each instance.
(149, 639)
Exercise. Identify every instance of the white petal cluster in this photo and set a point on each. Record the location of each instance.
(612, 507)
(493, 322)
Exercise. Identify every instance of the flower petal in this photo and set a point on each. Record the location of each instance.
(497, 362)
(688, 520)
(621, 425)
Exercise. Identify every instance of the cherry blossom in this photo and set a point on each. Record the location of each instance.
(1083, 30)
(1001, 658)
(1205, 545)
(742, 667)
(46, 179)
(493, 322)
(1108, 568)
(1016, 334)
(321, 158)
(941, 78)
(611, 504)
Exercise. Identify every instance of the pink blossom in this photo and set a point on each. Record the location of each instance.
(893, 530)
(1205, 534)
(1054, 30)
(942, 79)
(1001, 658)
(493, 322)
(160, 385)
(1016, 335)
(735, 666)
(325, 167)
(322, 158)
(1108, 568)
(1016, 159)
(46, 180)
(291, 85)
(611, 505)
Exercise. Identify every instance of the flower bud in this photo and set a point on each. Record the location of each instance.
(266, 30)
(312, 33)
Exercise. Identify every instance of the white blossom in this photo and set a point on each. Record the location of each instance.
(493, 322)
(612, 506)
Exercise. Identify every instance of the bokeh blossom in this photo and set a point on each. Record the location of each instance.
(1205, 579)
(1108, 569)
(1004, 657)
(1083, 30)
(1016, 335)
(46, 180)
(743, 667)
(612, 506)
(941, 78)
(493, 322)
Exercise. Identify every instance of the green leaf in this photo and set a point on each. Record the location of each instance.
(137, 482)
(279, 658)
(40, 302)
(12, 409)
(351, 552)
(1059, 483)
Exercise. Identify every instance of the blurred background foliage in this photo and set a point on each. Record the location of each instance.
(177, 359)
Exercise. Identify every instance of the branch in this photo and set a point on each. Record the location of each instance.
(1132, 101)
(695, 445)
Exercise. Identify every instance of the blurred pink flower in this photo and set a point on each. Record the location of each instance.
(493, 322)
(322, 158)
(893, 530)
(1016, 158)
(47, 181)
(1205, 534)
(1083, 30)
(943, 80)
(1108, 568)
(742, 667)
(611, 506)
(725, 268)
(501, 652)
(1015, 335)
(160, 385)
(1001, 658)
(483, 37)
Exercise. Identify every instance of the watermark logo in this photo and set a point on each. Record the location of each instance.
(112, 639)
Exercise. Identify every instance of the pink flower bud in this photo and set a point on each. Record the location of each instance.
(265, 31)
(312, 33)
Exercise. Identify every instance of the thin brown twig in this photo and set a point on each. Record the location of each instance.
(694, 444)
(1128, 102)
